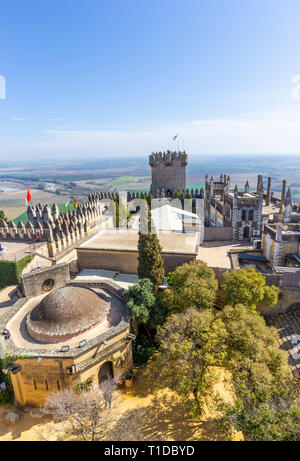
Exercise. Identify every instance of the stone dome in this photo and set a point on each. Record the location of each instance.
(65, 312)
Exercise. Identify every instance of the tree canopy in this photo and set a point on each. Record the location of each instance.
(266, 398)
(254, 357)
(248, 287)
(3, 217)
(150, 262)
(191, 285)
(143, 307)
(191, 345)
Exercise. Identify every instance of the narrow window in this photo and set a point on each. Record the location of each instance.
(34, 383)
(58, 386)
(46, 382)
(251, 215)
(244, 215)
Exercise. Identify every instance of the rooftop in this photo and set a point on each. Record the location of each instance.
(127, 240)
(124, 281)
(169, 218)
(66, 312)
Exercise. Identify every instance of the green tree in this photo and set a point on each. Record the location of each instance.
(192, 344)
(149, 198)
(150, 262)
(248, 287)
(266, 399)
(122, 214)
(3, 217)
(143, 307)
(254, 357)
(274, 416)
(191, 285)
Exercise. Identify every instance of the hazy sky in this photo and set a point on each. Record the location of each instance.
(118, 78)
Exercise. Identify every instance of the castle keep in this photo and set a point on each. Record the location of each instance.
(168, 172)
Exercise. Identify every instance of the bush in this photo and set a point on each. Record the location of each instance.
(248, 287)
(10, 271)
(191, 285)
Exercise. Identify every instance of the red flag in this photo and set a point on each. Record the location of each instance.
(75, 203)
(28, 195)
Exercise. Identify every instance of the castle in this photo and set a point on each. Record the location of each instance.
(69, 326)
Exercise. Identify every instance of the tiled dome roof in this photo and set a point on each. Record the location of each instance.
(65, 312)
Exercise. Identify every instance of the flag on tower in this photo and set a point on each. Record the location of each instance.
(28, 195)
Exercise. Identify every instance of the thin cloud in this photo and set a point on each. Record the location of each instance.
(270, 133)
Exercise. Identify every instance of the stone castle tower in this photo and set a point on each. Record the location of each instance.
(168, 172)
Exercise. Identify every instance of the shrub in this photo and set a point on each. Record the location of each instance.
(10, 271)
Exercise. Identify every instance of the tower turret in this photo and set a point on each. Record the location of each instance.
(168, 172)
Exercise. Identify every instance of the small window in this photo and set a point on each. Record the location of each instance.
(34, 384)
(48, 285)
(251, 215)
(244, 215)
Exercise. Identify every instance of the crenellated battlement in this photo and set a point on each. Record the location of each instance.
(168, 172)
(165, 158)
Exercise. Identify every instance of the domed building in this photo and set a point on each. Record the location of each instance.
(66, 312)
(66, 334)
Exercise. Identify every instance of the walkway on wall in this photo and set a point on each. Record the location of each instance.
(123, 280)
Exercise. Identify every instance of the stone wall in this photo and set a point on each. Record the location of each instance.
(32, 283)
(36, 380)
(125, 261)
(286, 299)
(217, 233)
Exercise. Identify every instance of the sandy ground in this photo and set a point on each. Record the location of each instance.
(140, 415)
(216, 253)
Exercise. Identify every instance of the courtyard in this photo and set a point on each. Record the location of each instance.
(216, 253)
(140, 415)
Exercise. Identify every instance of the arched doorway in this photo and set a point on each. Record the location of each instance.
(246, 232)
(105, 374)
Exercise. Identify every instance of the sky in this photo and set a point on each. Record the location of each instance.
(116, 78)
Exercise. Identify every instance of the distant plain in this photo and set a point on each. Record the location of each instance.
(59, 182)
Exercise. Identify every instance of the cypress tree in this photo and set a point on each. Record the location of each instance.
(150, 262)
